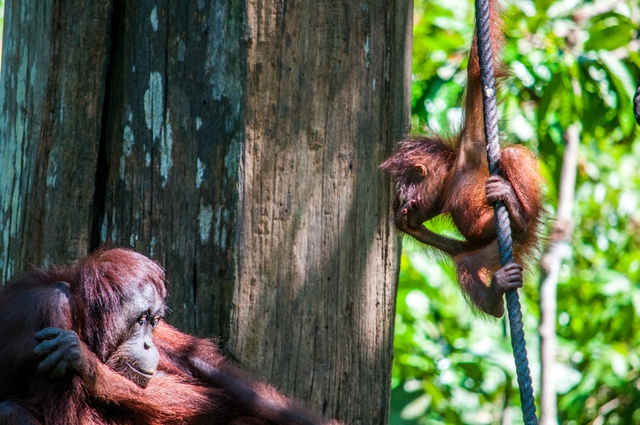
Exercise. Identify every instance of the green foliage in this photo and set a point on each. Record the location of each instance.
(450, 367)
(572, 62)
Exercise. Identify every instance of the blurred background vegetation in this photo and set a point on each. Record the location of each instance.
(571, 62)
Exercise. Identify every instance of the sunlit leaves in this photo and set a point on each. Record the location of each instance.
(571, 61)
(609, 32)
(624, 88)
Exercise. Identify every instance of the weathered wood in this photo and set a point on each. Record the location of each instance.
(173, 146)
(51, 101)
(315, 296)
(236, 143)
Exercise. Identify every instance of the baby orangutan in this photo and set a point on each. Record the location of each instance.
(435, 176)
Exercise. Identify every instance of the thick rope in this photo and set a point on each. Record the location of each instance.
(483, 28)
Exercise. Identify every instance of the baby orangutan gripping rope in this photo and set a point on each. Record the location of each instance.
(435, 176)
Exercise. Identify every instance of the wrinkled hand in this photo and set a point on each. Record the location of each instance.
(500, 189)
(497, 189)
(405, 221)
(507, 278)
(62, 351)
(504, 280)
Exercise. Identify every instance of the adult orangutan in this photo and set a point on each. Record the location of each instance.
(85, 344)
(436, 176)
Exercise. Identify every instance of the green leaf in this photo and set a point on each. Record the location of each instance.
(625, 88)
(609, 33)
(609, 39)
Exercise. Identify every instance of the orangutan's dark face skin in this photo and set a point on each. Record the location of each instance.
(137, 357)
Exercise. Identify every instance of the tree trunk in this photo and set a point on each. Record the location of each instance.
(237, 144)
(55, 60)
(325, 97)
(558, 249)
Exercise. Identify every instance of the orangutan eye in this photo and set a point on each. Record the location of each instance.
(143, 320)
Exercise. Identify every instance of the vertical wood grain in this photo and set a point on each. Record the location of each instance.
(236, 143)
(51, 101)
(315, 298)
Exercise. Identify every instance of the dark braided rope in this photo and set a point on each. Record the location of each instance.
(483, 28)
(636, 103)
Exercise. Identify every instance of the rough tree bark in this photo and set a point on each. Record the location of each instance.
(235, 142)
(51, 100)
(558, 249)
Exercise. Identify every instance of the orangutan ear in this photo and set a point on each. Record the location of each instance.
(421, 169)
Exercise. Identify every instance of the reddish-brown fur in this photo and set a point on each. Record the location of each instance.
(194, 383)
(436, 176)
